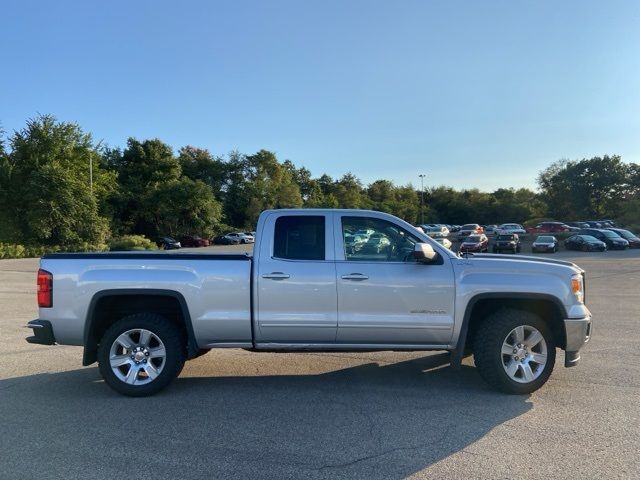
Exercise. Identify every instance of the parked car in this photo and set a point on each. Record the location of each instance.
(454, 228)
(445, 242)
(475, 243)
(490, 229)
(509, 242)
(436, 232)
(608, 223)
(612, 239)
(578, 225)
(586, 243)
(593, 224)
(242, 237)
(549, 227)
(511, 228)
(632, 238)
(469, 229)
(168, 243)
(191, 241)
(309, 295)
(545, 244)
(225, 240)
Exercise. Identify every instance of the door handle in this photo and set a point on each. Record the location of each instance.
(354, 276)
(276, 275)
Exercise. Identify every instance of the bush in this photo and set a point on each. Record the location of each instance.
(131, 242)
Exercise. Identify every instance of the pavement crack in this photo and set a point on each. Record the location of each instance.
(444, 435)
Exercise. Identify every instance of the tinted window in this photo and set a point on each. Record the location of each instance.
(506, 237)
(387, 243)
(299, 238)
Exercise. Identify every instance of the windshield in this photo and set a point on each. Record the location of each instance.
(470, 226)
(505, 237)
(545, 239)
(625, 234)
(589, 238)
(473, 239)
(610, 234)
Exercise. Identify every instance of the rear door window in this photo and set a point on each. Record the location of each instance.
(299, 238)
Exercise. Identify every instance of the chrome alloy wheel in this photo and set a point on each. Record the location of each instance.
(524, 354)
(137, 356)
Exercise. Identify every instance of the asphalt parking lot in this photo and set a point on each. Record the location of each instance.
(235, 414)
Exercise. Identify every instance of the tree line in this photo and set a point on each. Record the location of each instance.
(60, 187)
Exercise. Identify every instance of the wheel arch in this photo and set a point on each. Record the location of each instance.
(548, 307)
(107, 306)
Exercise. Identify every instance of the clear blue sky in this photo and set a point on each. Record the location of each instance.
(472, 93)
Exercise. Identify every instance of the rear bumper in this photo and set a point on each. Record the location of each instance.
(578, 333)
(42, 332)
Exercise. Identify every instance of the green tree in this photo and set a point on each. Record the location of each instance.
(154, 197)
(183, 206)
(199, 164)
(47, 196)
(256, 183)
(593, 187)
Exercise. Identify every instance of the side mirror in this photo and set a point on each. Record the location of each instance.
(424, 253)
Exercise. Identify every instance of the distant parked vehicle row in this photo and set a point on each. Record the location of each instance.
(612, 239)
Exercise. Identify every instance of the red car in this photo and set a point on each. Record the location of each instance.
(191, 241)
(475, 243)
(549, 227)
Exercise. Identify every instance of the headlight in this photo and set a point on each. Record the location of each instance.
(577, 287)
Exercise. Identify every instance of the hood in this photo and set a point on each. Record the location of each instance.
(522, 262)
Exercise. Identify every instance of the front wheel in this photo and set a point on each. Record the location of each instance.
(514, 351)
(141, 354)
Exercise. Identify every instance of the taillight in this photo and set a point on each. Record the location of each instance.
(45, 289)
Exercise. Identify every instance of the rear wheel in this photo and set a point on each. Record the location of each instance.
(141, 354)
(514, 351)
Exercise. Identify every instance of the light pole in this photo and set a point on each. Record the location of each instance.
(422, 175)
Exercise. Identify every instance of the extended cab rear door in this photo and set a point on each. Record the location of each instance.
(296, 279)
(384, 295)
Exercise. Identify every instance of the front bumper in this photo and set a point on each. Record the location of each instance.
(42, 332)
(578, 333)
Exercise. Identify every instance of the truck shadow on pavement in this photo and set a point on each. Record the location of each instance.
(367, 421)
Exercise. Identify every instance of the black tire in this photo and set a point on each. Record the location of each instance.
(487, 350)
(170, 335)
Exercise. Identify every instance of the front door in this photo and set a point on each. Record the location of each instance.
(296, 281)
(384, 295)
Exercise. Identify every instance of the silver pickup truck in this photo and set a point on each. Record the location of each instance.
(319, 280)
